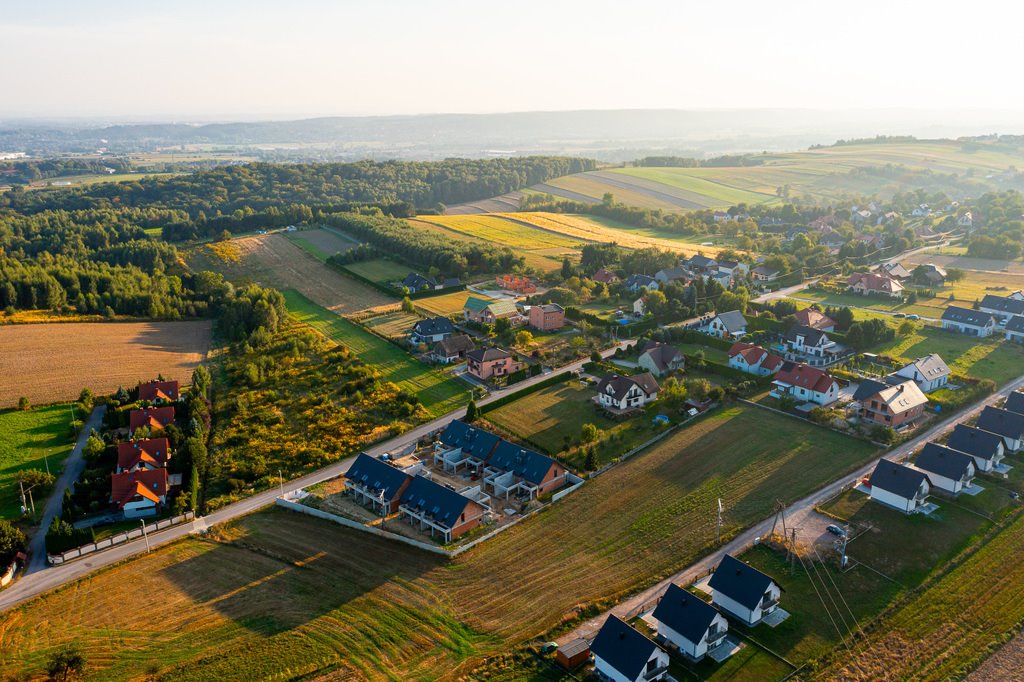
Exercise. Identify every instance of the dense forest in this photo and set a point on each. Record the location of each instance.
(25, 172)
(998, 230)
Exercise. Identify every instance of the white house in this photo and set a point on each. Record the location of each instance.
(805, 383)
(1002, 307)
(1008, 425)
(947, 469)
(639, 308)
(765, 274)
(986, 448)
(729, 324)
(1015, 329)
(898, 486)
(733, 268)
(930, 373)
(809, 342)
(743, 592)
(431, 330)
(139, 493)
(689, 623)
(621, 654)
(967, 321)
(638, 283)
(660, 358)
(623, 393)
(752, 359)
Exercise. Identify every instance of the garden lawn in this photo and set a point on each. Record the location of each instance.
(988, 358)
(25, 438)
(446, 304)
(379, 270)
(438, 393)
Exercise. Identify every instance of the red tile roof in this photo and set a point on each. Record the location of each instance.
(872, 281)
(153, 417)
(148, 483)
(753, 354)
(814, 319)
(159, 390)
(809, 378)
(154, 452)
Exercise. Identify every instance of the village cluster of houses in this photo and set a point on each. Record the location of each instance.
(497, 469)
(684, 623)
(994, 314)
(951, 467)
(140, 482)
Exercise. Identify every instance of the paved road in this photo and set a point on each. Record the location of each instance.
(891, 313)
(799, 514)
(73, 467)
(44, 578)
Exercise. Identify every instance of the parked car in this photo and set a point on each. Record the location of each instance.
(913, 317)
(836, 530)
(900, 315)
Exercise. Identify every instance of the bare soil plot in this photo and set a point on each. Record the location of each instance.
(272, 260)
(51, 362)
(505, 202)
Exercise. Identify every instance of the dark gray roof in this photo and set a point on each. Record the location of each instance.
(622, 384)
(700, 261)
(460, 343)
(440, 504)
(488, 354)
(470, 439)
(434, 326)
(733, 321)
(975, 442)
(637, 281)
(377, 475)
(975, 318)
(685, 613)
(1003, 304)
(622, 647)
(450, 282)
(1016, 324)
(812, 336)
(415, 280)
(526, 464)
(943, 461)
(1015, 402)
(868, 388)
(663, 355)
(896, 478)
(740, 582)
(1003, 422)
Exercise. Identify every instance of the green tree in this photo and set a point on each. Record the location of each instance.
(86, 399)
(94, 447)
(590, 461)
(472, 413)
(502, 325)
(954, 275)
(698, 389)
(66, 664)
(595, 356)
(524, 339)
(23, 404)
(407, 305)
(589, 433)
(193, 488)
(12, 541)
(566, 268)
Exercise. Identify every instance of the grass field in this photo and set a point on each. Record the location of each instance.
(293, 595)
(47, 363)
(379, 270)
(394, 325)
(982, 358)
(321, 243)
(437, 392)
(27, 440)
(541, 256)
(446, 304)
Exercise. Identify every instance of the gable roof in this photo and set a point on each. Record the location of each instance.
(662, 355)
(1016, 324)
(671, 274)
(526, 464)
(620, 385)
(896, 478)
(872, 281)
(377, 476)
(930, 367)
(814, 319)
(415, 280)
(477, 304)
(153, 417)
(975, 318)
(153, 451)
(151, 484)
(685, 613)
(740, 582)
(868, 388)
(1015, 402)
(902, 397)
(812, 337)
(753, 355)
(809, 378)
(159, 390)
(502, 308)
(974, 442)
(434, 326)
(636, 281)
(477, 442)
(442, 505)
(701, 261)
(1003, 422)
(732, 320)
(488, 354)
(622, 647)
(765, 271)
(605, 275)
(1003, 304)
(944, 461)
(896, 270)
(453, 345)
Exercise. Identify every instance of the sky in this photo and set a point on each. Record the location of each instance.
(252, 59)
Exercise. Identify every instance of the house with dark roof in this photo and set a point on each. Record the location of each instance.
(432, 507)
(930, 274)
(660, 358)
(947, 469)
(1015, 402)
(968, 321)
(620, 394)
(808, 384)
(621, 654)
(733, 268)
(930, 373)
(892, 405)
(985, 447)
(514, 470)
(815, 319)
(139, 493)
(151, 453)
(376, 483)
(153, 418)
(1015, 329)
(415, 282)
(431, 330)
(701, 264)
(727, 325)
(689, 623)
(763, 273)
(636, 283)
(743, 592)
(1003, 307)
(899, 486)
(490, 363)
(672, 275)
(452, 349)
(894, 270)
(159, 392)
(1008, 425)
(808, 343)
(752, 359)
(548, 317)
(461, 444)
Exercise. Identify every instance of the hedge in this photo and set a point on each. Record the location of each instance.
(506, 399)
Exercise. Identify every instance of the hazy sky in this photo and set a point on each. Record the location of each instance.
(256, 58)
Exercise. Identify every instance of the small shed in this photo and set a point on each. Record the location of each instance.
(573, 654)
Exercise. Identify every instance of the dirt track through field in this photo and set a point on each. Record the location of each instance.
(52, 362)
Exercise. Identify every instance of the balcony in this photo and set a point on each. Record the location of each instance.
(767, 603)
(715, 637)
(654, 673)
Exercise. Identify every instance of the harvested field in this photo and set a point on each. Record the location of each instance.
(512, 230)
(394, 325)
(446, 304)
(48, 363)
(380, 270)
(291, 595)
(505, 202)
(1004, 664)
(322, 243)
(272, 260)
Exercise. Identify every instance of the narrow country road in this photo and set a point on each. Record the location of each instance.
(41, 577)
(796, 513)
(73, 467)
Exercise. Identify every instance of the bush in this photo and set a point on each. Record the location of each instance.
(23, 404)
(12, 541)
(883, 434)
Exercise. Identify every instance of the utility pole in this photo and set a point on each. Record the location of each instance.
(792, 552)
(24, 507)
(383, 509)
(46, 458)
(718, 526)
(145, 534)
(33, 504)
(280, 479)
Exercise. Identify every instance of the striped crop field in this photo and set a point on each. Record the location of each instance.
(507, 229)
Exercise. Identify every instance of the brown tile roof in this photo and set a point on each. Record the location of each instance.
(153, 452)
(159, 390)
(148, 483)
(814, 319)
(809, 378)
(872, 281)
(753, 354)
(153, 417)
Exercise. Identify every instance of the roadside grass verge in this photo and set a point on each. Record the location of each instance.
(27, 439)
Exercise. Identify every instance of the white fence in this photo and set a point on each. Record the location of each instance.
(134, 534)
(7, 577)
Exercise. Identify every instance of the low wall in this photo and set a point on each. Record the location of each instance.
(120, 538)
(7, 577)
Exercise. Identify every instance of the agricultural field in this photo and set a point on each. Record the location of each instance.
(393, 325)
(446, 304)
(380, 270)
(512, 230)
(981, 358)
(322, 243)
(47, 363)
(544, 258)
(262, 597)
(438, 392)
(272, 260)
(27, 440)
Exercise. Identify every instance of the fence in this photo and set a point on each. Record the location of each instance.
(7, 577)
(120, 538)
